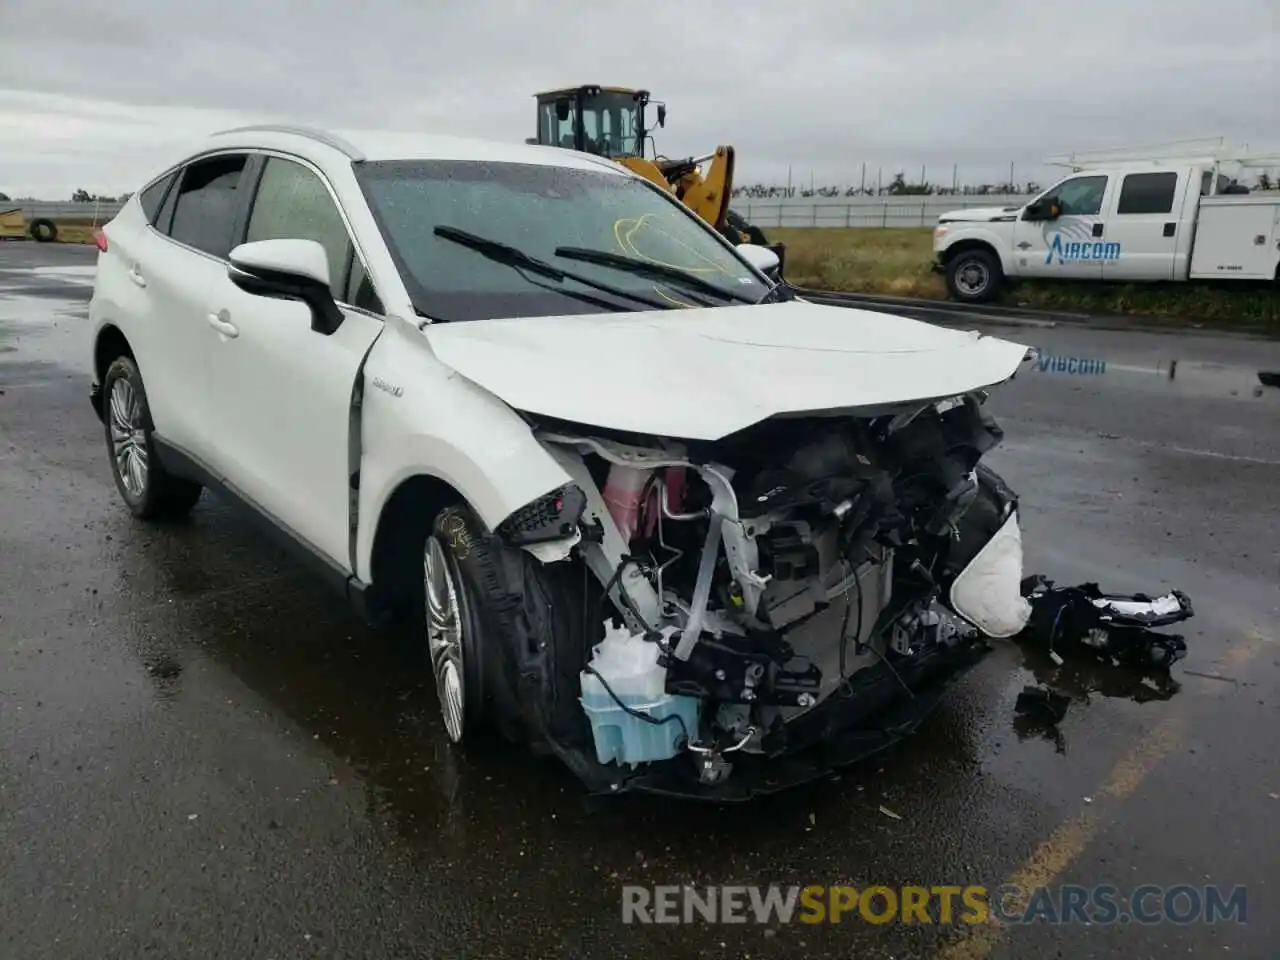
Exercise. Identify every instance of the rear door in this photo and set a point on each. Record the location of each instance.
(283, 392)
(1144, 225)
(1065, 248)
(172, 268)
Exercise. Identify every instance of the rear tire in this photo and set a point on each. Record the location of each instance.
(974, 275)
(149, 490)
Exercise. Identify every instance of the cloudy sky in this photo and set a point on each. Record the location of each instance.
(92, 91)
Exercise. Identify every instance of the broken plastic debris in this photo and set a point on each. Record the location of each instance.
(889, 813)
(1113, 627)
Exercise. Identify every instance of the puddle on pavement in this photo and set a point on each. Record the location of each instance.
(43, 328)
(1184, 377)
(1080, 680)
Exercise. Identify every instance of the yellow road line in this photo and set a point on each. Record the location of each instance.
(1055, 855)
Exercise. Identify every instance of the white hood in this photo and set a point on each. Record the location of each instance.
(702, 373)
(980, 214)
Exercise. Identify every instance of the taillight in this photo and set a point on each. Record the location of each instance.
(100, 239)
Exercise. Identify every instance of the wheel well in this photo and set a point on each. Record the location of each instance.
(965, 245)
(111, 344)
(396, 560)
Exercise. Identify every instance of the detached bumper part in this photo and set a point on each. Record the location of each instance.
(1110, 626)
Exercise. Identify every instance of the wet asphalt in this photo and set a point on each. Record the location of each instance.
(203, 754)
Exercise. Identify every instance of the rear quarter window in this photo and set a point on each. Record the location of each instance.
(153, 196)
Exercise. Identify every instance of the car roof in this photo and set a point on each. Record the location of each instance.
(381, 145)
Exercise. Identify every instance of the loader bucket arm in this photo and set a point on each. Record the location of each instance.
(708, 196)
(647, 169)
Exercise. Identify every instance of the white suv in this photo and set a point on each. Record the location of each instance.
(634, 491)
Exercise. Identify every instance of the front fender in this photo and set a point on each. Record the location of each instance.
(1000, 242)
(442, 425)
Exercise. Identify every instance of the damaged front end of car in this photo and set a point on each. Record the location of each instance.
(765, 607)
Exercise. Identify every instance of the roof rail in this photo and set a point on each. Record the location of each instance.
(320, 136)
(1208, 151)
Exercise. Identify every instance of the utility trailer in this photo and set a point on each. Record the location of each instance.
(14, 226)
(1123, 218)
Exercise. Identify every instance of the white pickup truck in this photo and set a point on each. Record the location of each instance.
(1123, 222)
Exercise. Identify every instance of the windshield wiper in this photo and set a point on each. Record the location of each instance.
(778, 294)
(644, 267)
(515, 257)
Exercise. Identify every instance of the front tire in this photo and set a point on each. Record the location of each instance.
(974, 276)
(506, 634)
(149, 490)
(453, 634)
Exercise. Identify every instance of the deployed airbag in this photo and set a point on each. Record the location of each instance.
(988, 592)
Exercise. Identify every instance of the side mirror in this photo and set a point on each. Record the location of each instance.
(662, 114)
(762, 258)
(562, 109)
(1043, 210)
(288, 270)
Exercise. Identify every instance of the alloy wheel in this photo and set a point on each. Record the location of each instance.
(444, 636)
(128, 438)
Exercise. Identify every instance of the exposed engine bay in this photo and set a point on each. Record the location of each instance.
(775, 589)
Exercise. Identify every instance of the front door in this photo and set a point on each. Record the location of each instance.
(1072, 246)
(282, 391)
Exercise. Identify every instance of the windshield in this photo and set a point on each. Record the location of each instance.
(537, 209)
(610, 122)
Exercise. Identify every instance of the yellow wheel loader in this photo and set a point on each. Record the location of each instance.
(610, 122)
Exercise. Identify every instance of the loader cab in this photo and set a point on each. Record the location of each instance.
(606, 121)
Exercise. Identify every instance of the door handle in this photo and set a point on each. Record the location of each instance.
(1097, 229)
(1170, 228)
(137, 278)
(223, 326)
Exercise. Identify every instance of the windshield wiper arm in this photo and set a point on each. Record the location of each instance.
(515, 257)
(658, 270)
(778, 294)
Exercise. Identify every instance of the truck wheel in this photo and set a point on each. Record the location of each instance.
(506, 634)
(149, 490)
(43, 231)
(974, 276)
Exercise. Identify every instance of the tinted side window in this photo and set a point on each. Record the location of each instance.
(153, 196)
(1080, 196)
(205, 211)
(293, 203)
(1147, 193)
